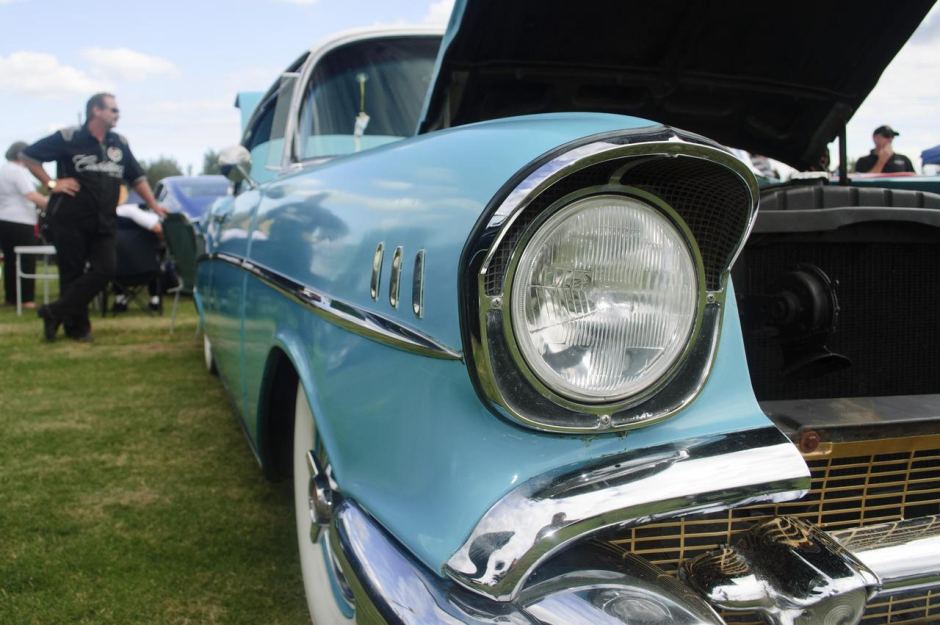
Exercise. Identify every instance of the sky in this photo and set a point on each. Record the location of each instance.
(176, 71)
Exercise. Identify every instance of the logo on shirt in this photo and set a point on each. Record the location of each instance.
(115, 154)
(89, 162)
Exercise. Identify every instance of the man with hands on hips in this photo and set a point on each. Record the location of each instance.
(92, 162)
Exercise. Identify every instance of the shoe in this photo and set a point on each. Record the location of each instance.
(79, 331)
(119, 307)
(50, 323)
(84, 337)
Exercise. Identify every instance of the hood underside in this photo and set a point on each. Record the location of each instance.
(779, 80)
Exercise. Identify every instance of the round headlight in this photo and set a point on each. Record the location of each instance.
(604, 298)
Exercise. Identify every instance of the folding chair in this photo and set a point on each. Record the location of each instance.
(138, 264)
(182, 246)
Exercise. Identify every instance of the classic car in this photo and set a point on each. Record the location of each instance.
(530, 357)
(191, 195)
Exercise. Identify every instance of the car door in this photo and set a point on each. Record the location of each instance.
(364, 93)
(231, 227)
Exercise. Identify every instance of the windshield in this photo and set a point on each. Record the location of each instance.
(365, 94)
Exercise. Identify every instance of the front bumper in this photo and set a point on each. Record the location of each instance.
(788, 570)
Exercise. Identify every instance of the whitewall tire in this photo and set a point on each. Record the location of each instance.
(321, 601)
(207, 355)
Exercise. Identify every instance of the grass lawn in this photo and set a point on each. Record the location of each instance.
(128, 494)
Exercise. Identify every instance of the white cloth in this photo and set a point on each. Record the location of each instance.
(15, 183)
(144, 219)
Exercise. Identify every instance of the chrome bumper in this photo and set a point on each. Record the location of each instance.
(793, 572)
(787, 569)
(544, 515)
(585, 586)
(904, 555)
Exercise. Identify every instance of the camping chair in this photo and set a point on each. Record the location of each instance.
(138, 263)
(180, 237)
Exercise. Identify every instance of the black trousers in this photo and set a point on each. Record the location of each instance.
(78, 243)
(11, 235)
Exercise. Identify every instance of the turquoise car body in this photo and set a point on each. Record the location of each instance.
(344, 258)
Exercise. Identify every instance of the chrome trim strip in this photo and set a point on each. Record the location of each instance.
(546, 513)
(394, 280)
(375, 284)
(417, 285)
(904, 555)
(389, 586)
(345, 315)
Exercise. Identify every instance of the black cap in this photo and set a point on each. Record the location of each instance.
(886, 131)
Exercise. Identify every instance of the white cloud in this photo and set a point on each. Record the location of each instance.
(41, 74)
(129, 64)
(183, 128)
(439, 12)
(190, 108)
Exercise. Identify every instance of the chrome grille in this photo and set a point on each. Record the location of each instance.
(901, 479)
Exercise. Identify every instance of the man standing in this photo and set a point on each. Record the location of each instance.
(883, 158)
(91, 161)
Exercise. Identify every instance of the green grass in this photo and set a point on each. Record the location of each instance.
(128, 493)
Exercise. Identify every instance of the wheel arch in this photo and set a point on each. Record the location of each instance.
(276, 414)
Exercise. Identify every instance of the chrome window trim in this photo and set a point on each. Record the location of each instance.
(343, 314)
(290, 156)
(633, 412)
(546, 513)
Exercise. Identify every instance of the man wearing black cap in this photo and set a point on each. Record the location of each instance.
(883, 159)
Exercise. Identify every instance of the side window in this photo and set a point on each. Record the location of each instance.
(365, 94)
(264, 138)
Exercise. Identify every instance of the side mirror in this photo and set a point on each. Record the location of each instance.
(235, 163)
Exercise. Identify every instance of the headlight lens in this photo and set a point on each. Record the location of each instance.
(604, 298)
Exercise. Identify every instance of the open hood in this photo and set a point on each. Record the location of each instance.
(778, 79)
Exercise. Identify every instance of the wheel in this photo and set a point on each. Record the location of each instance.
(317, 573)
(207, 355)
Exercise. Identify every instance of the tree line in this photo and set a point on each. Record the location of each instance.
(164, 166)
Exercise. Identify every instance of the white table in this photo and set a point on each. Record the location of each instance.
(37, 250)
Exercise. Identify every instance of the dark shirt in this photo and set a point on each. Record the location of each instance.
(896, 164)
(99, 168)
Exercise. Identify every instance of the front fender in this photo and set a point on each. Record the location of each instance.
(408, 437)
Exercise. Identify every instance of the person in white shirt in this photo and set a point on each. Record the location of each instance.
(19, 201)
(148, 220)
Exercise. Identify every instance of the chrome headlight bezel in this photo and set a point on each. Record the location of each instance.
(710, 190)
(601, 406)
